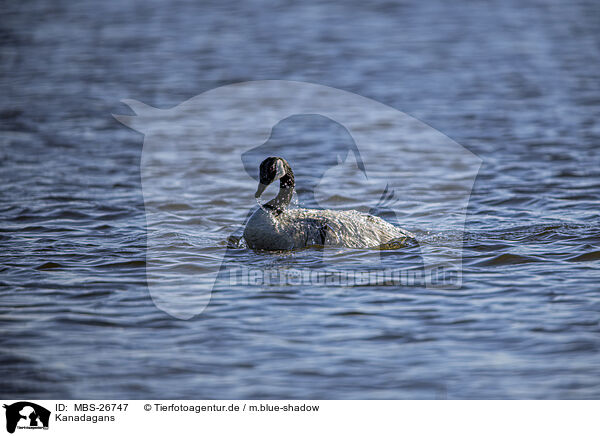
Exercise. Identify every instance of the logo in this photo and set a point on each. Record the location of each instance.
(26, 415)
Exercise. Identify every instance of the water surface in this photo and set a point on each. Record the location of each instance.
(515, 83)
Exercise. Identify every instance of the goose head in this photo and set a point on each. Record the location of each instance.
(272, 169)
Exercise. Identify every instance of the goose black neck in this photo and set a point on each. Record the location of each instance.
(286, 191)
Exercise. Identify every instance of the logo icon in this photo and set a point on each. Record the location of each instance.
(26, 415)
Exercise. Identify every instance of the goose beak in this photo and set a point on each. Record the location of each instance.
(260, 190)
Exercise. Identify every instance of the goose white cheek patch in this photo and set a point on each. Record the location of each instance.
(279, 171)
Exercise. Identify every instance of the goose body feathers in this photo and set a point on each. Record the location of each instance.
(299, 228)
(276, 227)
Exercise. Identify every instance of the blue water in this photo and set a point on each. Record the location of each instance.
(516, 83)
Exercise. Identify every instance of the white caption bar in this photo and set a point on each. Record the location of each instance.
(150, 417)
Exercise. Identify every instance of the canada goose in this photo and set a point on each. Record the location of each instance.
(275, 227)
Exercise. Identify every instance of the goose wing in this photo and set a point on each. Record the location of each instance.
(315, 230)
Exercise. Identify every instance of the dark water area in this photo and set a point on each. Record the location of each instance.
(516, 83)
